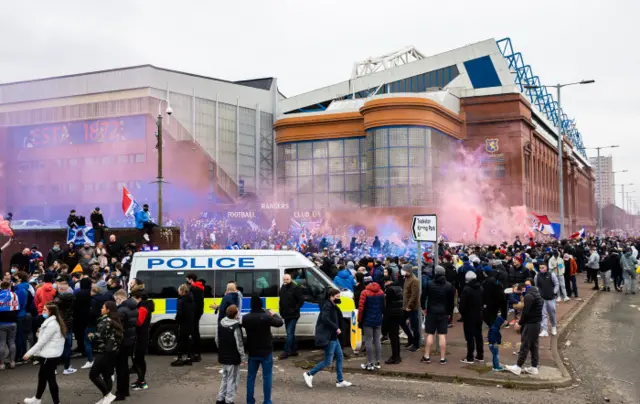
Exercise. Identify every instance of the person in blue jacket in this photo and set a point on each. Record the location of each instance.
(231, 298)
(143, 221)
(495, 339)
(344, 280)
(21, 289)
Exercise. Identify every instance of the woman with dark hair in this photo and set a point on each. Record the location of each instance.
(106, 340)
(49, 347)
(327, 335)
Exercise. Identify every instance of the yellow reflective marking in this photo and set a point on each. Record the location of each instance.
(272, 303)
(208, 302)
(347, 305)
(160, 306)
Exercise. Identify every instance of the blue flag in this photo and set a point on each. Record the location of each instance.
(81, 235)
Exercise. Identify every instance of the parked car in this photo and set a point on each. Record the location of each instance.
(28, 224)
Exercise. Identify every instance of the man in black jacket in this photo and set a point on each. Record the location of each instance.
(530, 329)
(97, 222)
(65, 300)
(143, 324)
(184, 318)
(291, 301)
(493, 297)
(440, 295)
(55, 253)
(197, 291)
(81, 314)
(393, 317)
(259, 347)
(128, 310)
(471, 311)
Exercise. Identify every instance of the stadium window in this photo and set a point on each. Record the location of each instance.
(500, 171)
(88, 186)
(73, 162)
(123, 158)
(71, 188)
(139, 158)
(55, 189)
(40, 189)
(105, 160)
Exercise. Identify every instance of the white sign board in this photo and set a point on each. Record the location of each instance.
(425, 228)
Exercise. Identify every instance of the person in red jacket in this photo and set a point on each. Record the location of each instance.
(370, 310)
(45, 293)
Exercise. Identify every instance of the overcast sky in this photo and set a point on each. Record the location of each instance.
(308, 44)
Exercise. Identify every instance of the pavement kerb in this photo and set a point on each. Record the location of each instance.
(531, 384)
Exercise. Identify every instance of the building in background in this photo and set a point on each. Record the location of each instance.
(379, 139)
(74, 141)
(603, 171)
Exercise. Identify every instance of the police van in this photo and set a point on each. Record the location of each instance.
(257, 272)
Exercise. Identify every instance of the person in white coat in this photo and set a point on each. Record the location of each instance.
(556, 266)
(49, 348)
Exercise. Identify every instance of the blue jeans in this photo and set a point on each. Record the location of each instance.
(267, 373)
(290, 345)
(331, 350)
(495, 351)
(66, 354)
(21, 338)
(88, 349)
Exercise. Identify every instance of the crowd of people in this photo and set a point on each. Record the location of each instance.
(49, 299)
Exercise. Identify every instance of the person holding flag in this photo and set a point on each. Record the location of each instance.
(143, 222)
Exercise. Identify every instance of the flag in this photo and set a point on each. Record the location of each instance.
(80, 236)
(578, 234)
(544, 225)
(273, 224)
(254, 227)
(129, 205)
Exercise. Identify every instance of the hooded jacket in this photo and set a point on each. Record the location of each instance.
(65, 301)
(22, 291)
(345, 280)
(97, 301)
(143, 324)
(106, 339)
(128, 311)
(82, 306)
(185, 314)
(328, 323)
(532, 310)
(493, 298)
(142, 217)
(228, 300)
(50, 340)
(258, 325)
(197, 291)
(53, 255)
(44, 295)
(393, 301)
(229, 342)
(439, 295)
(628, 264)
(371, 306)
(470, 306)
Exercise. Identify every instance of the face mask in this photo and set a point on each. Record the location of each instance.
(403, 272)
(13, 270)
(337, 301)
(526, 288)
(45, 315)
(55, 286)
(56, 248)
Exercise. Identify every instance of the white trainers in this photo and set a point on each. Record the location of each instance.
(544, 333)
(308, 379)
(558, 299)
(108, 399)
(32, 400)
(146, 237)
(344, 383)
(554, 331)
(87, 365)
(101, 401)
(515, 369)
(69, 371)
(566, 299)
(531, 370)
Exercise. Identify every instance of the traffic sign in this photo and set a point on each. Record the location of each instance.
(425, 228)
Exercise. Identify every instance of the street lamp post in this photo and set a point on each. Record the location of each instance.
(600, 182)
(614, 183)
(160, 178)
(622, 185)
(560, 140)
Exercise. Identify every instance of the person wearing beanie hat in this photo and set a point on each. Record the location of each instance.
(438, 301)
(470, 308)
(259, 346)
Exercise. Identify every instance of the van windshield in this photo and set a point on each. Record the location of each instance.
(312, 280)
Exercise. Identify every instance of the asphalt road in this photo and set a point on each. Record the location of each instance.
(604, 348)
(603, 357)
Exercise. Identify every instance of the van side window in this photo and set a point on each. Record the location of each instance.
(161, 284)
(261, 283)
(313, 288)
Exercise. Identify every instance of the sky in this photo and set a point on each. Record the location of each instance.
(307, 45)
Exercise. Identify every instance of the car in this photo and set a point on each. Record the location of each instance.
(27, 224)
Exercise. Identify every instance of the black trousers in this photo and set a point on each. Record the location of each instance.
(98, 233)
(184, 343)
(196, 336)
(473, 336)
(78, 333)
(47, 375)
(529, 342)
(101, 371)
(593, 275)
(122, 371)
(140, 363)
(393, 327)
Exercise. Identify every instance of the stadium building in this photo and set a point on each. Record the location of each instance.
(75, 141)
(378, 139)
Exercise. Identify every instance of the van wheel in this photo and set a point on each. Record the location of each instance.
(165, 339)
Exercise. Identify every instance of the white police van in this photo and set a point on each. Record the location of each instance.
(256, 272)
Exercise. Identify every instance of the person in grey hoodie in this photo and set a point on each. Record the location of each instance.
(593, 266)
(628, 264)
(230, 354)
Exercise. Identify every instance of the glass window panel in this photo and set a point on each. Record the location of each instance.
(140, 158)
(319, 167)
(304, 150)
(351, 147)
(320, 183)
(398, 137)
(416, 178)
(352, 182)
(281, 151)
(319, 150)
(381, 138)
(291, 183)
(305, 201)
(304, 167)
(417, 136)
(336, 165)
(381, 157)
(417, 197)
(336, 198)
(398, 176)
(320, 201)
(351, 164)
(290, 168)
(399, 196)
(353, 198)
(500, 171)
(398, 156)
(382, 177)
(416, 157)
(305, 184)
(335, 148)
(381, 197)
(336, 183)
(289, 152)
(368, 141)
